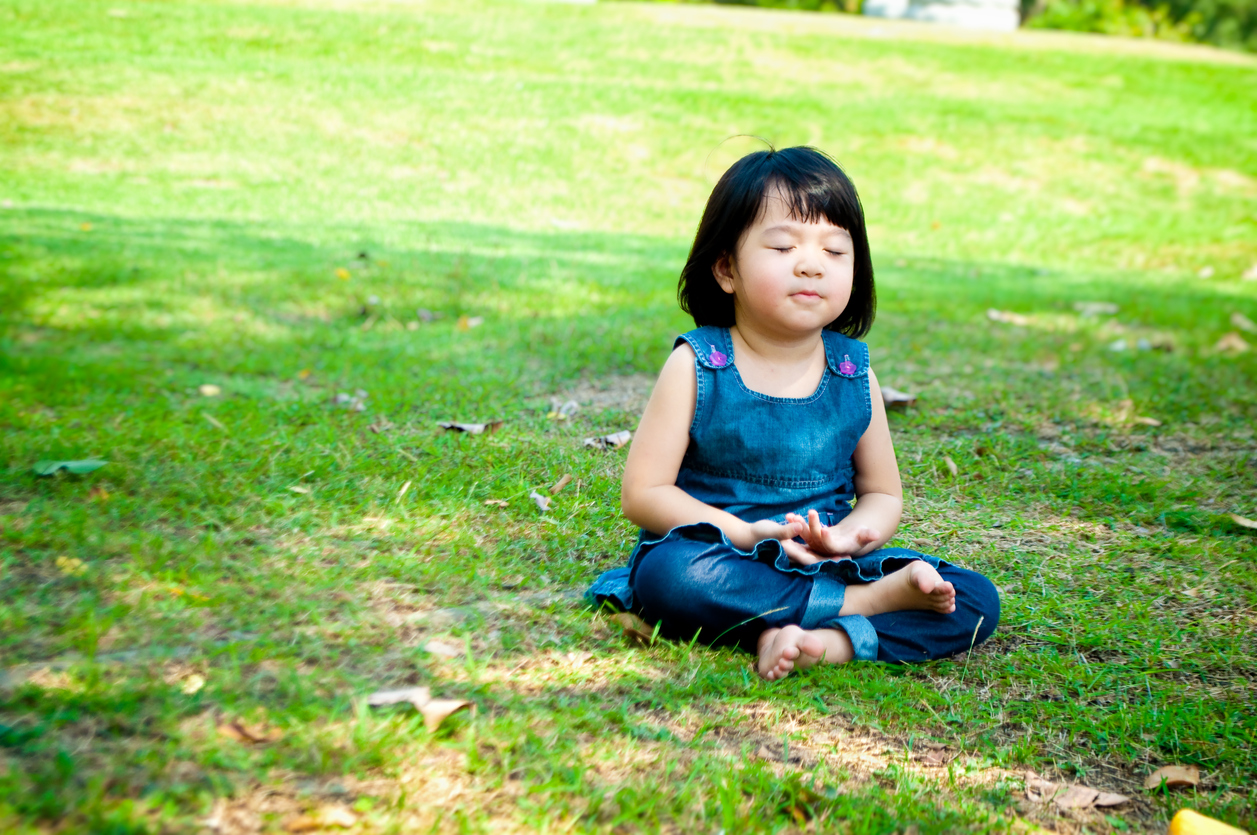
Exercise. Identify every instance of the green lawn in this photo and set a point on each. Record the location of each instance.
(261, 196)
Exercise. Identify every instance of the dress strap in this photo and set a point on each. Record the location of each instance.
(712, 345)
(847, 357)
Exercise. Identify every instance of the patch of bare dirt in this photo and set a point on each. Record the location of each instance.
(625, 393)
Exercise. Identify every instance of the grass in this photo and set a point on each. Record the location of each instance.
(261, 195)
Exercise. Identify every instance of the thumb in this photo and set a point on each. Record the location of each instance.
(793, 528)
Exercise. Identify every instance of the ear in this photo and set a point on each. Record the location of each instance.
(723, 272)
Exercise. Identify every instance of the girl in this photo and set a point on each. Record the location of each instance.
(765, 423)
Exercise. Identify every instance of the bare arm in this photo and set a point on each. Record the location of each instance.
(648, 494)
(877, 483)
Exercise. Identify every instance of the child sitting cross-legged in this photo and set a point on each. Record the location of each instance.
(765, 424)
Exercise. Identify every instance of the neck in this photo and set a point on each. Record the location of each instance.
(783, 349)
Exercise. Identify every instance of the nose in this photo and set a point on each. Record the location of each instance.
(809, 265)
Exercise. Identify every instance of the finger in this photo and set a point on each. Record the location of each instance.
(792, 528)
(799, 554)
(867, 535)
(815, 527)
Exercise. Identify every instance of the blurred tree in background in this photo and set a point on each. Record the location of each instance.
(1231, 24)
(1227, 23)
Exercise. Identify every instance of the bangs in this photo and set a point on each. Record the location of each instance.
(811, 199)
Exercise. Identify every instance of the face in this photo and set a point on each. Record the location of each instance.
(788, 277)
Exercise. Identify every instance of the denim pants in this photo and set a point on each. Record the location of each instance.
(706, 588)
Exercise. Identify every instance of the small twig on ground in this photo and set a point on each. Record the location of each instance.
(969, 654)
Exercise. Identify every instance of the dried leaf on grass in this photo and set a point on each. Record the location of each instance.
(634, 627)
(249, 734)
(209, 390)
(563, 481)
(1089, 309)
(1173, 776)
(443, 650)
(935, 757)
(438, 710)
(1070, 796)
(466, 323)
(192, 684)
(1231, 342)
(325, 817)
(1243, 522)
(951, 466)
(1146, 421)
(1007, 317)
(612, 441)
(214, 422)
(896, 399)
(543, 502)
(1076, 797)
(1242, 322)
(473, 428)
(298, 488)
(80, 467)
(496, 502)
(434, 711)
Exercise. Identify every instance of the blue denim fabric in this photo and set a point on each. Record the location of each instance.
(695, 583)
(761, 457)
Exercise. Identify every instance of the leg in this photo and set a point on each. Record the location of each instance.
(705, 588)
(913, 635)
(918, 585)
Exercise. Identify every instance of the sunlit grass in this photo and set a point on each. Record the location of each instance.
(295, 200)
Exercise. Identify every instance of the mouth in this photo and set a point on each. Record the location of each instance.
(807, 295)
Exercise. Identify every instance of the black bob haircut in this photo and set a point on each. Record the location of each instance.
(814, 187)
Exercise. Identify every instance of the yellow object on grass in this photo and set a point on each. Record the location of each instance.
(1187, 822)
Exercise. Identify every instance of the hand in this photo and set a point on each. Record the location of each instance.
(768, 529)
(821, 542)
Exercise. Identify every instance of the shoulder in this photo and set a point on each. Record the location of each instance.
(678, 370)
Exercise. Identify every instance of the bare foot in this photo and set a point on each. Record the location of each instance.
(917, 585)
(781, 650)
(940, 595)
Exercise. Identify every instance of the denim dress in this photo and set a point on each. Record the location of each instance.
(761, 457)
